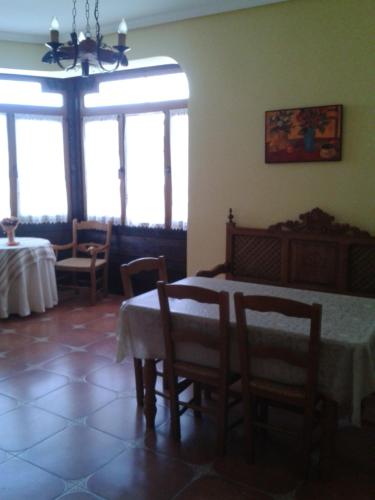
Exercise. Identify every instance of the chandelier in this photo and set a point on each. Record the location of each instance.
(85, 50)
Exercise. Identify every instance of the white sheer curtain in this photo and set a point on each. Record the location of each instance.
(4, 169)
(144, 150)
(102, 163)
(42, 193)
(179, 165)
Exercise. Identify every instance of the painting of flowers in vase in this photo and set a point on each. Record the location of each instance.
(304, 134)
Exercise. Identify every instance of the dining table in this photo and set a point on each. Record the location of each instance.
(347, 348)
(27, 276)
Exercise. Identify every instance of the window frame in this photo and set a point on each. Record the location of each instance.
(12, 110)
(121, 111)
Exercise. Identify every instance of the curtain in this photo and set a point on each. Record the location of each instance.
(102, 163)
(42, 191)
(144, 168)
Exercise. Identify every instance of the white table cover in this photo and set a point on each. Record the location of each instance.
(347, 354)
(27, 277)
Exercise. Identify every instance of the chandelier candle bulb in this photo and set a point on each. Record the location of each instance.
(54, 30)
(122, 31)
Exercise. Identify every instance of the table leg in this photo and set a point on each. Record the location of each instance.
(327, 450)
(150, 399)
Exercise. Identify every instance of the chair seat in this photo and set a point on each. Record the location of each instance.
(79, 263)
(199, 373)
(274, 390)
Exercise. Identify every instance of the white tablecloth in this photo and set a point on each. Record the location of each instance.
(27, 277)
(347, 355)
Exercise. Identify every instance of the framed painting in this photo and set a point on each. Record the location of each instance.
(304, 134)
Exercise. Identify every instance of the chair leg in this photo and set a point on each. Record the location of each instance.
(105, 281)
(248, 403)
(197, 397)
(93, 287)
(174, 407)
(262, 406)
(222, 421)
(207, 393)
(138, 373)
(306, 445)
(165, 376)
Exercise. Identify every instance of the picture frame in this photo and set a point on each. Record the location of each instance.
(304, 134)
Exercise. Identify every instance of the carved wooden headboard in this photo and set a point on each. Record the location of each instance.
(313, 252)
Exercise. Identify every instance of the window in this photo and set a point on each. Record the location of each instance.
(136, 160)
(28, 93)
(41, 169)
(32, 153)
(102, 163)
(144, 174)
(155, 88)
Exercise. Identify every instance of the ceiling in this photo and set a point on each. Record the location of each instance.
(29, 20)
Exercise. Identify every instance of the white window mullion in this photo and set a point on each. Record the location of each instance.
(4, 169)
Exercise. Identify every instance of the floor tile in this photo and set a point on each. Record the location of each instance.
(11, 341)
(76, 364)
(31, 384)
(346, 484)
(3, 457)
(7, 403)
(105, 324)
(117, 377)
(131, 425)
(75, 452)
(274, 469)
(25, 426)
(106, 347)
(76, 337)
(75, 400)
(38, 352)
(197, 445)
(10, 367)
(20, 480)
(142, 475)
(355, 447)
(79, 495)
(215, 488)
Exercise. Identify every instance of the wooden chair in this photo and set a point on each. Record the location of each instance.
(87, 257)
(128, 271)
(302, 398)
(218, 378)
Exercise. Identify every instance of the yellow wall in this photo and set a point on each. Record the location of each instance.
(297, 53)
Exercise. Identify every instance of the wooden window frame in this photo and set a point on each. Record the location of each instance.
(11, 111)
(142, 108)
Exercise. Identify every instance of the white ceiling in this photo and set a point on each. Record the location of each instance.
(29, 20)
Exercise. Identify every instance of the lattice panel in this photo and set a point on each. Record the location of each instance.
(257, 257)
(362, 269)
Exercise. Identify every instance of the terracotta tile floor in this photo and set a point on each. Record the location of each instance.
(70, 427)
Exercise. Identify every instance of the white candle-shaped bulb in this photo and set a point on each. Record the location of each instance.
(122, 27)
(55, 26)
(122, 30)
(54, 30)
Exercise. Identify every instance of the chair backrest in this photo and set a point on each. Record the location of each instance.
(173, 334)
(104, 227)
(308, 360)
(144, 264)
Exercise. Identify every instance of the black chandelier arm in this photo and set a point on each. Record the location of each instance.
(108, 56)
